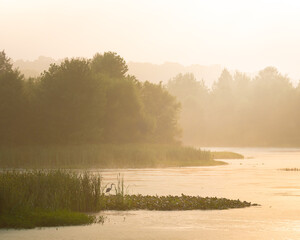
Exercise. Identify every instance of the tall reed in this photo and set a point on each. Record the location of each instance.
(82, 192)
(103, 156)
(53, 189)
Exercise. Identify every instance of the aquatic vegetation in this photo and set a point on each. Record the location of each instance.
(48, 198)
(104, 156)
(53, 189)
(289, 169)
(183, 202)
(59, 197)
(226, 155)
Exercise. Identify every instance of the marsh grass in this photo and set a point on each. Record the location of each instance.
(59, 198)
(53, 189)
(226, 155)
(48, 198)
(120, 188)
(104, 156)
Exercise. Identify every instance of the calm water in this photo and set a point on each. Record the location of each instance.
(256, 179)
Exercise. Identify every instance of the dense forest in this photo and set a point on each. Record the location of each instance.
(79, 101)
(84, 101)
(239, 110)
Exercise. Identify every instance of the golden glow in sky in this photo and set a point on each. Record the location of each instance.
(244, 35)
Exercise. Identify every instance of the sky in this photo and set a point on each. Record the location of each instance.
(244, 35)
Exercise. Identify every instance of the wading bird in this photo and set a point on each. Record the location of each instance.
(109, 188)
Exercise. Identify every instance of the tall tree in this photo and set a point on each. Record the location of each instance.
(109, 64)
(11, 94)
(162, 111)
(193, 96)
(124, 118)
(72, 102)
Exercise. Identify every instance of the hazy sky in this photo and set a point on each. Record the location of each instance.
(244, 35)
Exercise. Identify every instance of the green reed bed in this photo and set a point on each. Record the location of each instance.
(226, 155)
(52, 189)
(60, 198)
(47, 198)
(104, 156)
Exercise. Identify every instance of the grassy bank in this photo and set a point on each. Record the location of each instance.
(226, 155)
(59, 198)
(104, 156)
(43, 218)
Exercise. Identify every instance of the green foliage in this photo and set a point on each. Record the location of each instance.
(109, 64)
(161, 110)
(47, 198)
(72, 103)
(11, 104)
(82, 101)
(124, 118)
(53, 189)
(104, 156)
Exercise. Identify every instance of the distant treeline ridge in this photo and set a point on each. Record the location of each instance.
(239, 110)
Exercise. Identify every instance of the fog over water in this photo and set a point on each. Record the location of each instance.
(116, 86)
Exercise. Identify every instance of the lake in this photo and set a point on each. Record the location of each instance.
(256, 178)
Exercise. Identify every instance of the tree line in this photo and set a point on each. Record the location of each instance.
(83, 101)
(96, 101)
(239, 110)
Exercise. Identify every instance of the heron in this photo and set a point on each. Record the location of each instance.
(109, 188)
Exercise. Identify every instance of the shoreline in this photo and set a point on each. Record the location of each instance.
(107, 156)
